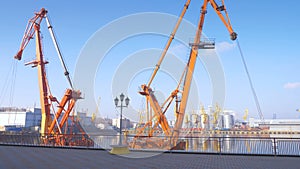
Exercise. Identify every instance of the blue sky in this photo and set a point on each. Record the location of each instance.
(268, 32)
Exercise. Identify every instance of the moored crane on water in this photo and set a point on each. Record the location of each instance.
(172, 134)
(51, 128)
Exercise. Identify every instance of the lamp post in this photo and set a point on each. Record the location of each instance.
(122, 96)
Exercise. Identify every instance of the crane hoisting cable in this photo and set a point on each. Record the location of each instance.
(261, 116)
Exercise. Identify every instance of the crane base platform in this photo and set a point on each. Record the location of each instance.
(119, 149)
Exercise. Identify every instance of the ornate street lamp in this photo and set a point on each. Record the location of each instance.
(116, 100)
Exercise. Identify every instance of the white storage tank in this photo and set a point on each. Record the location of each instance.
(228, 121)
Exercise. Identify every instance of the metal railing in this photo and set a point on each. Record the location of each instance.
(217, 145)
(20, 139)
(287, 146)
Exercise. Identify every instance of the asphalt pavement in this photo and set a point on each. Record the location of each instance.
(20, 157)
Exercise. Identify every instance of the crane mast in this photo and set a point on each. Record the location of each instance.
(192, 60)
(189, 73)
(33, 29)
(45, 105)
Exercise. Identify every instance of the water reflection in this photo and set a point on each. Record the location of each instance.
(227, 144)
(105, 142)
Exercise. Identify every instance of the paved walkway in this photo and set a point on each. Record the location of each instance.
(17, 157)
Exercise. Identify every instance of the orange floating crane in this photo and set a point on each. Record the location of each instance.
(51, 127)
(172, 134)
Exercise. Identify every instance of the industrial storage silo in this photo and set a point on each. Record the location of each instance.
(228, 121)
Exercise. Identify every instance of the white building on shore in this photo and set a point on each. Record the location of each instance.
(14, 117)
(276, 124)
